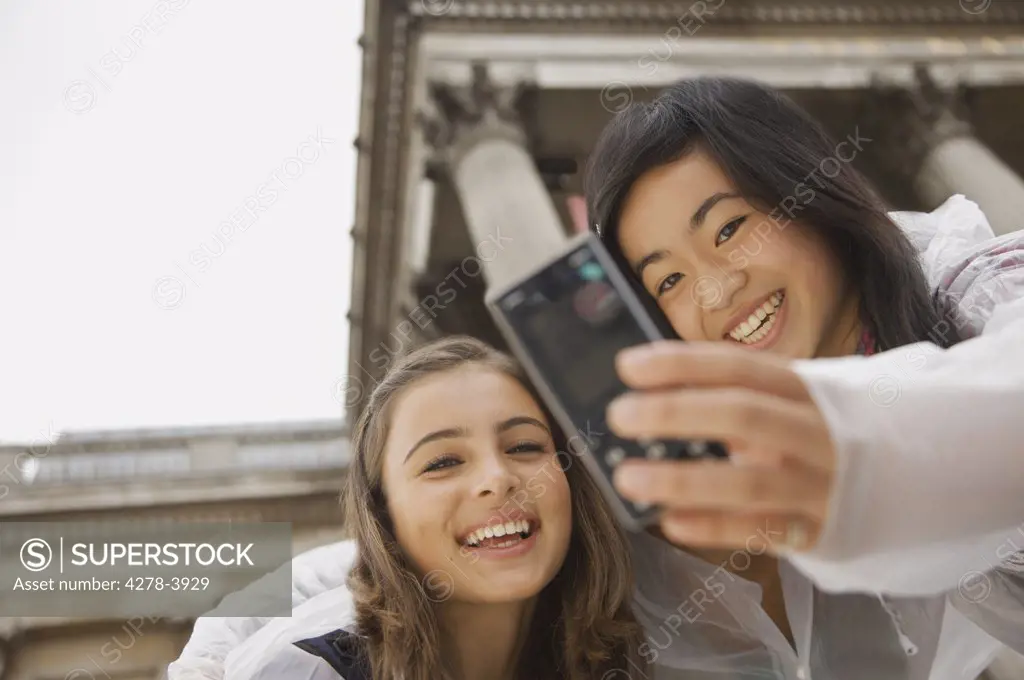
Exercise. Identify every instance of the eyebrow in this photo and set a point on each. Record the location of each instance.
(450, 433)
(457, 432)
(520, 420)
(701, 214)
(696, 222)
(647, 260)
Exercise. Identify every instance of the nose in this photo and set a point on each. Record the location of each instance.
(497, 478)
(718, 285)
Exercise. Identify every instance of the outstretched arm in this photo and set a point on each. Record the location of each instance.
(931, 480)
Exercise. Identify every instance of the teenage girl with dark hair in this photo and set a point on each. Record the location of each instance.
(902, 475)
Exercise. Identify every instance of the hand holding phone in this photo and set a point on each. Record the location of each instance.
(566, 320)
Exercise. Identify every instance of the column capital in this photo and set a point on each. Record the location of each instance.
(917, 119)
(930, 141)
(942, 112)
(457, 117)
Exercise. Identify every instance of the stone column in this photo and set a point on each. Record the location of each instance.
(964, 165)
(481, 143)
(945, 158)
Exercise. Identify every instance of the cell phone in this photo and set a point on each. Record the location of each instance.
(565, 320)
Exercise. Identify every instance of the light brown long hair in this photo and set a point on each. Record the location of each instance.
(583, 627)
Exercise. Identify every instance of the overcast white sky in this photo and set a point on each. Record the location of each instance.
(131, 132)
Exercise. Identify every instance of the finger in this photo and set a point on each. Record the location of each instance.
(721, 486)
(729, 414)
(744, 455)
(675, 363)
(751, 533)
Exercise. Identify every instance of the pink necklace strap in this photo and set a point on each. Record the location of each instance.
(867, 345)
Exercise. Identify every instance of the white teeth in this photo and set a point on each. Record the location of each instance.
(756, 326)
(499, 530)
(759, 333)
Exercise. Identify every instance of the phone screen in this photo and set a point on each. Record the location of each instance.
(574, 323)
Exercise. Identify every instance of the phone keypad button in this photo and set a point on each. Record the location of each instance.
(656, 451)
(698, 448)
(614, 456)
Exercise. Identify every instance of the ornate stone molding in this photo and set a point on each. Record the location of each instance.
(632, 62)
(647, 12)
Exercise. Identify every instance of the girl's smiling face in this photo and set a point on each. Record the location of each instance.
(470, 451)
(720, 269)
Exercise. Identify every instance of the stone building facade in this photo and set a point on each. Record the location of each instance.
(290, 472)
(478, 115)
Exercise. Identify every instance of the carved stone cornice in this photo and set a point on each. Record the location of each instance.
(597, 13)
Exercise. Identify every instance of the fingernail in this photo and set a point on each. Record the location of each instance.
(622, 409)
(630, 479)
(680, 529)
(632, 355)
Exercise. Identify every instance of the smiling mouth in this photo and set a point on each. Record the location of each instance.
(761, 321)
(501, 535)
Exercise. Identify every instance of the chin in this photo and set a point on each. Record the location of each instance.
(502, 592)
(496, 586)
(485, 590)
(488, 583)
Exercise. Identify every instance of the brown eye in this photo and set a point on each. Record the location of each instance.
(527, 447)
(441, 462)
(667, 283)
(728, 230)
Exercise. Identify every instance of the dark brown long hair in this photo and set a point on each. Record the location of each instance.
(768, 147)
(583, 626)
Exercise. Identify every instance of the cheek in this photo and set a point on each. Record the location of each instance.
(813, 277)
(683, 312)
(547, 488)
(812, 268)
(559, 505)
(561, 498)
(421, 517)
